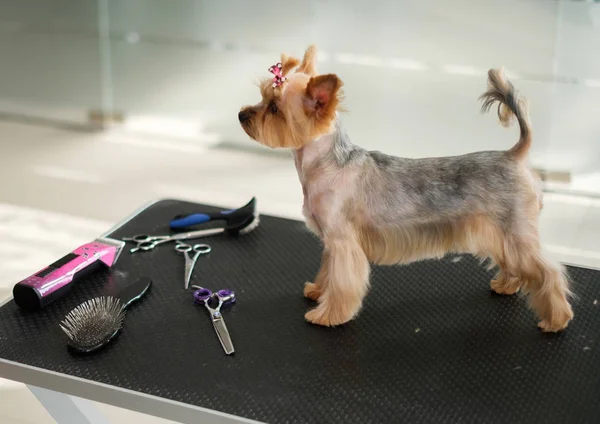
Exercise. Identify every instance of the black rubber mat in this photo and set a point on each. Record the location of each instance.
(431, 345)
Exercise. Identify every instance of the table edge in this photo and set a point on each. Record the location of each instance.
(114, 395)
(134, 214)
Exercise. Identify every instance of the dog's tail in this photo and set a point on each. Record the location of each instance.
(510, 105)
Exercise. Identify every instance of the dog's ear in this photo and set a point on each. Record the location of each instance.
(323, 95)
(309, 63)
(288, 63)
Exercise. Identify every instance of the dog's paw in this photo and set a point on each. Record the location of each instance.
(312, 291)
(504, 286)
(560, 319)
(319, 317)
(548, 327)
(327, 317)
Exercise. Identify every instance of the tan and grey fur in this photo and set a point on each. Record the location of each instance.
(369, 207)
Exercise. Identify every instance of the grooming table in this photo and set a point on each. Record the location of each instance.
(432, 343)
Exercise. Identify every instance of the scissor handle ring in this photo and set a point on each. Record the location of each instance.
(202, 248)
(143, 238)
(202, 295)
(226, 296)
(183, 248)
(146, 245)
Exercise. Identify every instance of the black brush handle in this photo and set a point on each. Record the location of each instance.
(134, 291)
(233, 218)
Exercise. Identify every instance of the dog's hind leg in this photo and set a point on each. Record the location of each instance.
(543, 279)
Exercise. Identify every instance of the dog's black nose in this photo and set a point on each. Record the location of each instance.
(243, 116)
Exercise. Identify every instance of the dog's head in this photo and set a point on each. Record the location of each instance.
(297, 105)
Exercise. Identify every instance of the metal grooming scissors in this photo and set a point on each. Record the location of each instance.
(190, 261)
(147, 242)
(204, 297)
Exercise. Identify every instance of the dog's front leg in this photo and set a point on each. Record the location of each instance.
(342, 281)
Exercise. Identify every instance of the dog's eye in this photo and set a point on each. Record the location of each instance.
(273, 108)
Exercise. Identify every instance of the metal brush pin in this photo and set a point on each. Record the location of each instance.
(97, 321)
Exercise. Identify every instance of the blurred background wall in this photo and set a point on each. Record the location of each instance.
(412, 69)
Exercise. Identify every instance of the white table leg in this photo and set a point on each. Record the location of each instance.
(66, 409)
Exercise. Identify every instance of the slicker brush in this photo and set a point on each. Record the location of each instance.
(97, 321)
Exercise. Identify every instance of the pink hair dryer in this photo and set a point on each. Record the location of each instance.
(54, 281)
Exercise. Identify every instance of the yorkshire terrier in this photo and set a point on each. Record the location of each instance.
(369, 207)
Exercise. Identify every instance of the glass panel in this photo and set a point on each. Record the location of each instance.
(50, 67)
(574, 143)
(412, 70)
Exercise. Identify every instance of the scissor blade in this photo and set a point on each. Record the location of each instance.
(196, 234)
(223, 335)
(189, 268)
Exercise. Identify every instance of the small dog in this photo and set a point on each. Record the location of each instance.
(368, 207)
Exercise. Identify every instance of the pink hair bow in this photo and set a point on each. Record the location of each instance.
(278, 79)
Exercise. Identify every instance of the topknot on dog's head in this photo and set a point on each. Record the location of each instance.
(297, 105)
(309, 62)
(307, 66)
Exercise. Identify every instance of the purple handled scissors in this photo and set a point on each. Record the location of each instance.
(224, 297)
